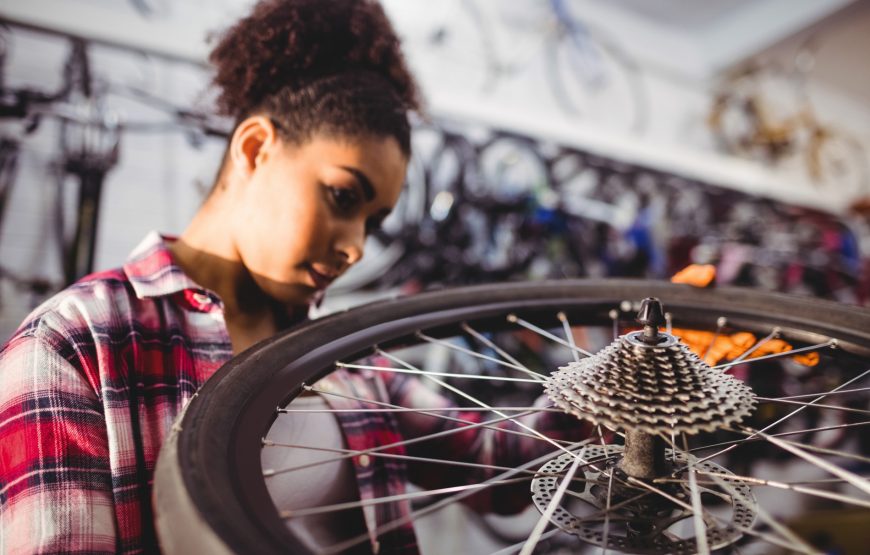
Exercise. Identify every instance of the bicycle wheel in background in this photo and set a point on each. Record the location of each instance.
(767, 483)
(592, 77)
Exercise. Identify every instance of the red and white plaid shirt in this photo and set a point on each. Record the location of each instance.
(92, 381)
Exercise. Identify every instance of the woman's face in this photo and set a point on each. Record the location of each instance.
(304, 212)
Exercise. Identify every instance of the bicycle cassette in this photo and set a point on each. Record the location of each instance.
(654, 388)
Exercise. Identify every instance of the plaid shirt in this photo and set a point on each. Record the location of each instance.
(92, 381)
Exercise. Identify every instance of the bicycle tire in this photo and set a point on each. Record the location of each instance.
(210, 465)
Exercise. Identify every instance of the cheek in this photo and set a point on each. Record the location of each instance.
(280, 232)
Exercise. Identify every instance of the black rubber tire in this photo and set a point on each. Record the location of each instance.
(219, 434)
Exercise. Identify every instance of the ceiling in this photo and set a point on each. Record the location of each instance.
(692, 38)
(683, 14)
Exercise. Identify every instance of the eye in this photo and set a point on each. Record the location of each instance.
(344, 198)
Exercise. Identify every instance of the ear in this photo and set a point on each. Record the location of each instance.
(251, 143)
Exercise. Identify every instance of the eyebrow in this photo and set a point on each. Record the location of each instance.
(364, 182)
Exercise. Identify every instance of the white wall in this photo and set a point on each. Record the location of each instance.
(160, 178)
(674, 67)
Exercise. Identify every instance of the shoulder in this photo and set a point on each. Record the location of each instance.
(49, 368)
(87, 305)
(64, 329)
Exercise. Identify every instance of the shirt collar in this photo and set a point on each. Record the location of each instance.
(152, 271)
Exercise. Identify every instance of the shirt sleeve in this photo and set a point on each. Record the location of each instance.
(492, 446)
(55, 481)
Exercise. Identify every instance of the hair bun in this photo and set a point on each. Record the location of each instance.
(287, 43)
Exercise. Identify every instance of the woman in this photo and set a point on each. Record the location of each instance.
(92, 381)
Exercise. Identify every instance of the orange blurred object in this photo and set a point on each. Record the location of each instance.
(713, 348)
(699, 275)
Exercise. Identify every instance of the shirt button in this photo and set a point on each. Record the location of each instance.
(364, 460)
(202, 298)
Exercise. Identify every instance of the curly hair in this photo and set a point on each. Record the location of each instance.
(317, 66)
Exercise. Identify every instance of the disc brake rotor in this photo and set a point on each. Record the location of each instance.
(636, 519)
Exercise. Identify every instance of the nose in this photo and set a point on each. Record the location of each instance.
(350, 242)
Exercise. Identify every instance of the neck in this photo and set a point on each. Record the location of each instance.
(205, 252)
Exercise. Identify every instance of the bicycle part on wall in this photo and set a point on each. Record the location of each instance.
(89, 134)
(479, 44)
(592, 77)
(656, 491)
(89, 145)
(763, 111)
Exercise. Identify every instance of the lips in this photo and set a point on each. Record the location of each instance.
(321, 277)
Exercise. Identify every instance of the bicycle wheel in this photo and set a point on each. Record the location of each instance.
(211, 492)
(592, 78)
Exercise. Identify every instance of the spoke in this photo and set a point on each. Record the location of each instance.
(270, 443)
(640, 483)
(738, 442)
(422, 410)
(787, 416)
(609, 490)
(819, 405)
(721, 322)
(537, 377)
(831, 343)
(603, 443)
(697, 509)
(746, 354)
(823, 481)
(338, 548)
(792, 487)
(798, 547)
(850, 477)
(596, 516)
(531, 410)
(514, 319)
(614, 317)
(858, 390)
(296, 513)
(607, 507)
(820, 449)
(544, 520)
(754, 480)
(272, 472)
(473, 399)
(569, 335)
(511, 549)
(796, 541)
(637, 482)
(797, 487)
(489, 343)
(431, 373)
